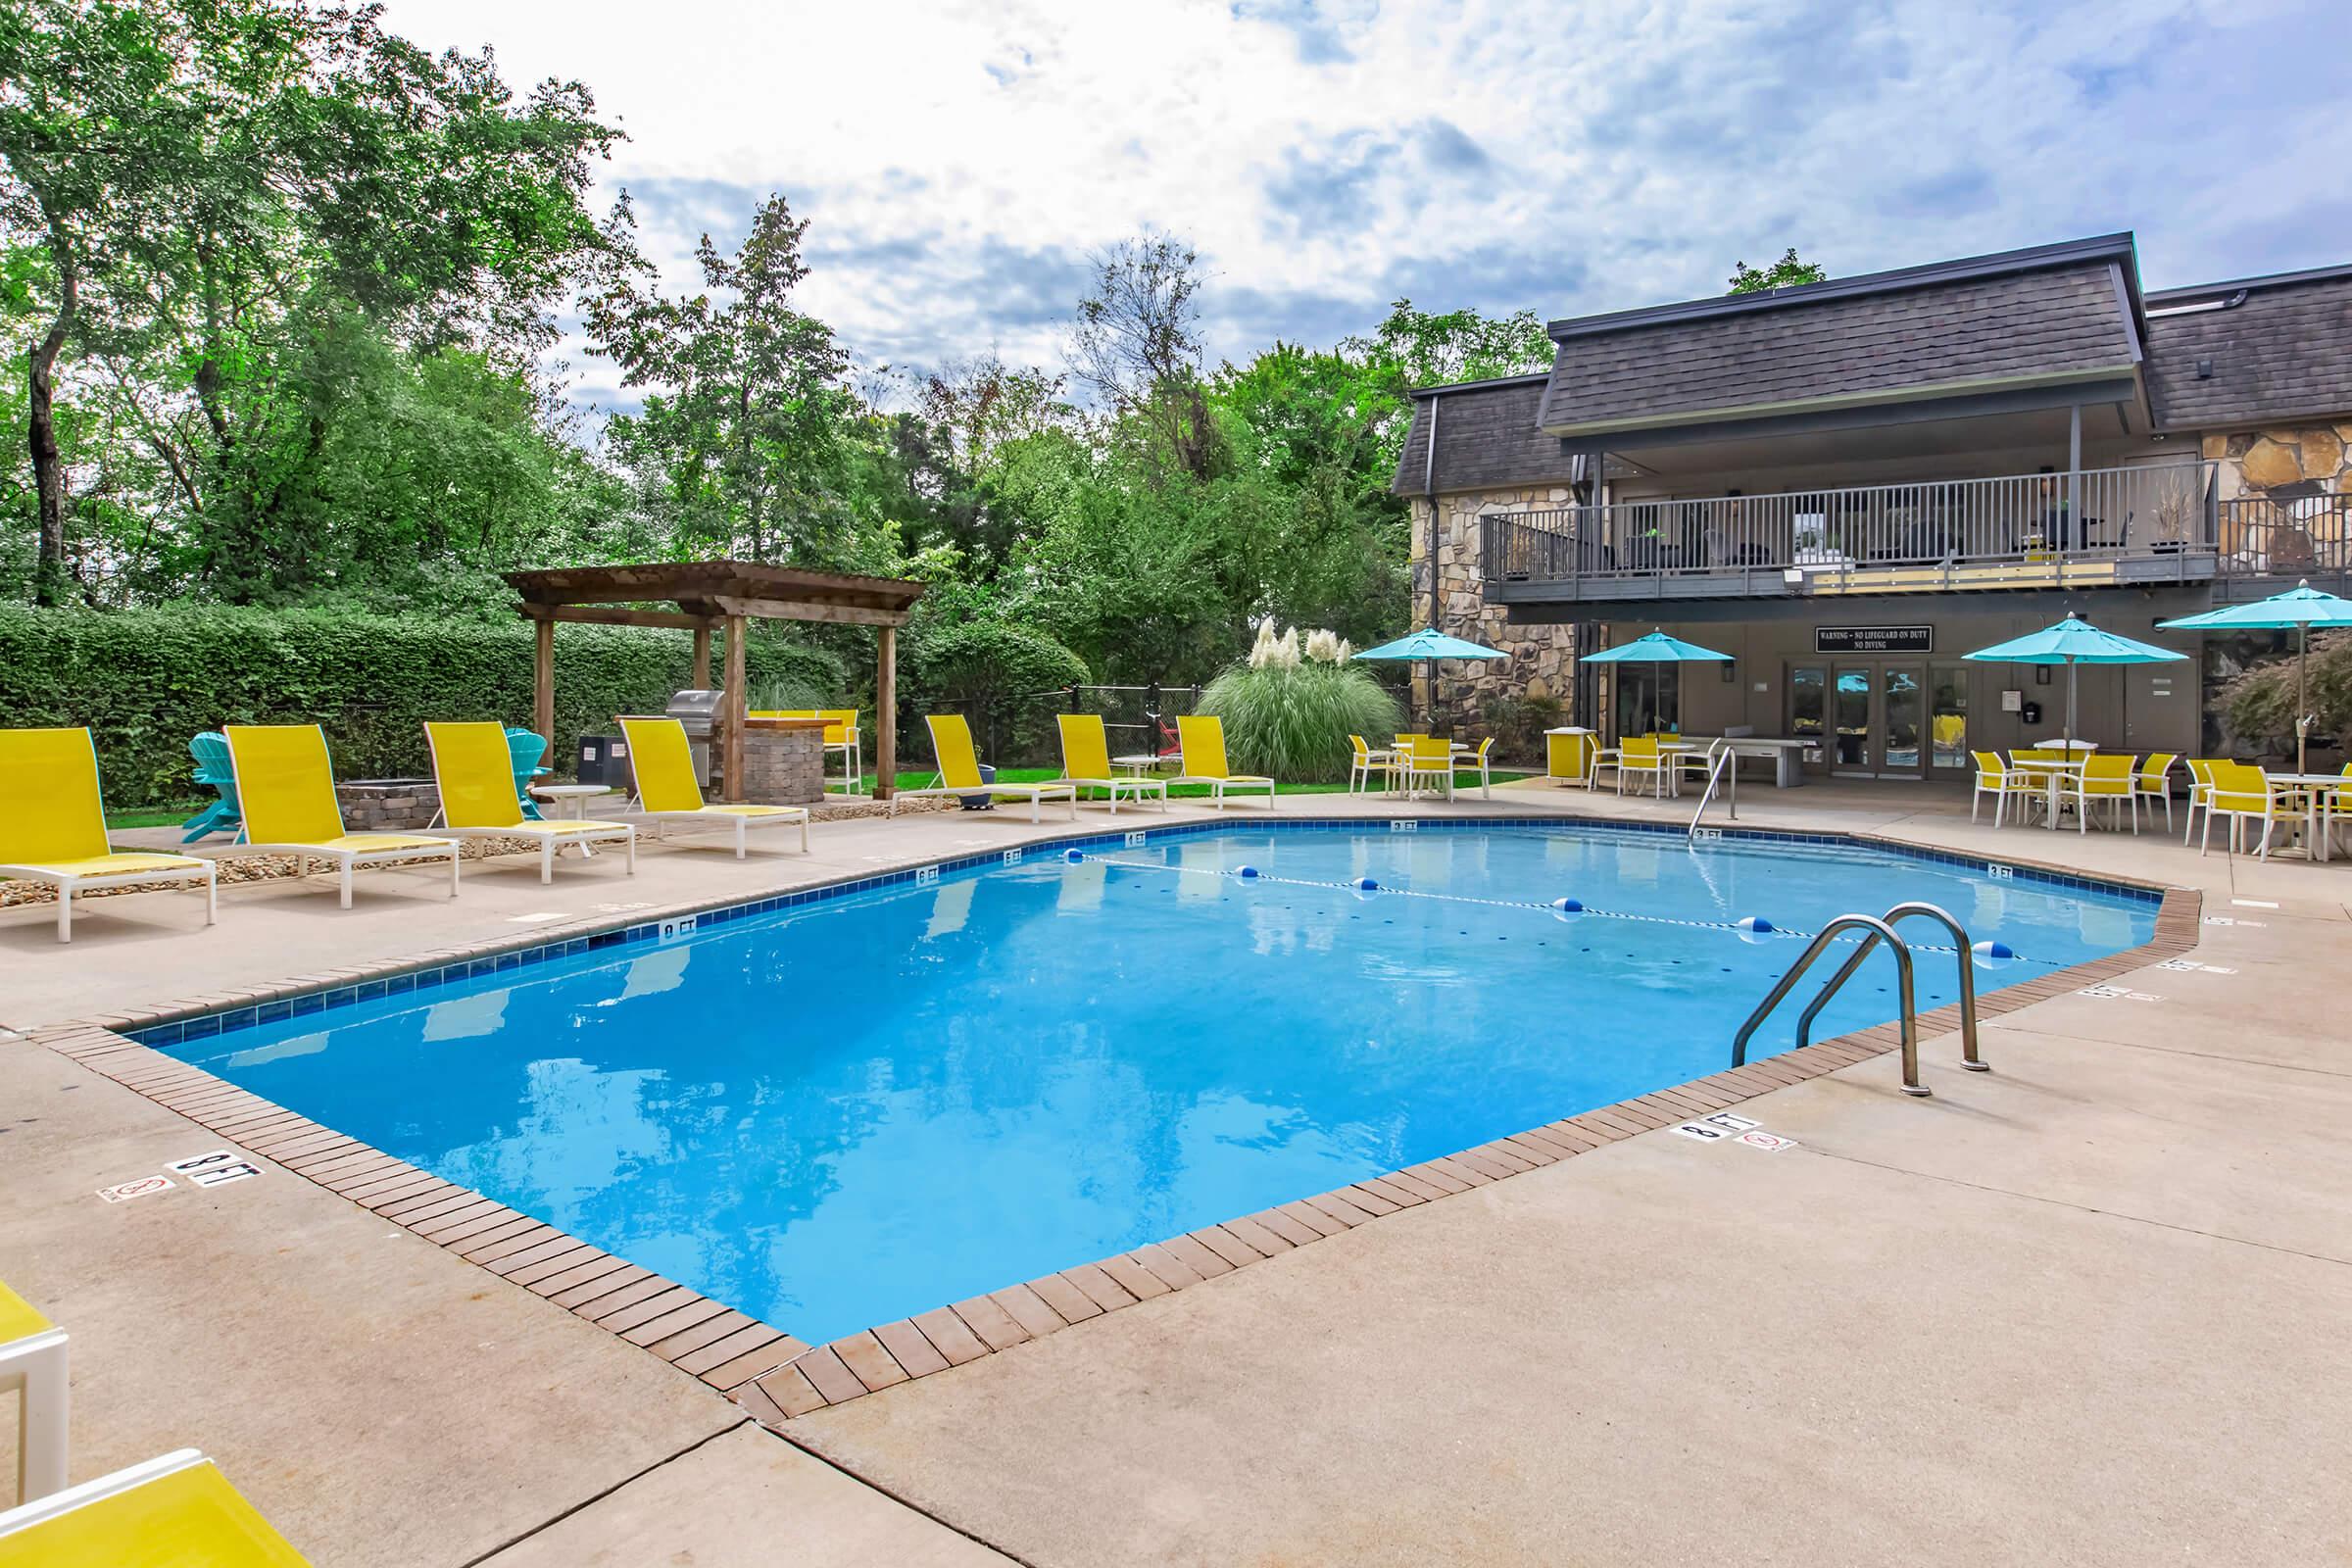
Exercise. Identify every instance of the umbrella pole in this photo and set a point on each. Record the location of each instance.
(2302, 701)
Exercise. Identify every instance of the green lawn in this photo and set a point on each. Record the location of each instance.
(1038, 775)
(151, 817)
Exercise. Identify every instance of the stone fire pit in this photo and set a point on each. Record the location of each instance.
(389, 805)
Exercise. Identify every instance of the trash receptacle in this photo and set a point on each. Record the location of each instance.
(603, 760)
(981, 803)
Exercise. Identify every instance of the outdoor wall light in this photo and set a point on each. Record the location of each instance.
(2042, 674)
(1731, 671)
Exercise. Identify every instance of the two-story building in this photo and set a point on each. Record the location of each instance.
(1848, 485)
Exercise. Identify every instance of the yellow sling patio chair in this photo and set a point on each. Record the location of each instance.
(32, 1362)
(475, 772)
(1086, 762)
(287, 786)
(53, 826)
(661, 769)
(960, 771)
(179, 1511)
(2110, 777)
(2242, 793)
(1201, 736)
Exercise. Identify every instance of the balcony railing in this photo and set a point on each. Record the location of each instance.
(2305, 536)
(2141, 523)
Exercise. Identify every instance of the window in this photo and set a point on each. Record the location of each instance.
(1649, 698)
(1807, 684)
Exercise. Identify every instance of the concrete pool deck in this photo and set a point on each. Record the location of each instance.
(2087, 1308)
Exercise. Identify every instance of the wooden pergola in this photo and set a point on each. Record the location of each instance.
(722, 594)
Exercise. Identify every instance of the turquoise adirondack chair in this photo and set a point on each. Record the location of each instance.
(527, 746)
(223, 815)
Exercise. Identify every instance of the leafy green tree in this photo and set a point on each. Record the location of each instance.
(744, 402)
(227, 191)
(1786, 273)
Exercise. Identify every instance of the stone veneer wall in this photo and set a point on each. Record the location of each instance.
(2254, 462)
(1542, 657)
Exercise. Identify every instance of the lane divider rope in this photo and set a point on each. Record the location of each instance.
(1383, 889)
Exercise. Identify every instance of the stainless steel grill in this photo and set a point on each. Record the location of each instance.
(696, 712)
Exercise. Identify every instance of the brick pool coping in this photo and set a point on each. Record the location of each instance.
(775, 1376)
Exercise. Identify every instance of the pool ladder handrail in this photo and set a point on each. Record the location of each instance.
(1723, 763)
(1881, 929)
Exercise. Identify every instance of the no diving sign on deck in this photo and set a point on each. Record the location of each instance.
(1727, 1128)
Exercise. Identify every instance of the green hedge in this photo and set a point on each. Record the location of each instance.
(144, 681)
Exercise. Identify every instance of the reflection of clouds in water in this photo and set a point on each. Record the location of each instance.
(657, 972)
(1081, 889)
(1637, 863)
(578, 1129)
(299, 1046)
(950, 909)
(466, 1017)
(1990, 903)
(1200, 863)
(2104, 925)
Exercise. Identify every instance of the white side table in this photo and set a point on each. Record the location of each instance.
(568, 803)
(569, 800)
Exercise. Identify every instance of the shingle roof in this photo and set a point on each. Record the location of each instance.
(1488, 438)
(2284, 353)
(1982, 329)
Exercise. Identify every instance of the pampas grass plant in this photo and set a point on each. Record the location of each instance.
(1288, 714)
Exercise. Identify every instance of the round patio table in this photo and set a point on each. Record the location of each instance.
(2059, 769)
(2318, 793)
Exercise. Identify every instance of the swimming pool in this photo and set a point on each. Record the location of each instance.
(867, 1103)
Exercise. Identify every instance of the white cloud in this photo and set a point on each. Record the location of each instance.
(960, 160)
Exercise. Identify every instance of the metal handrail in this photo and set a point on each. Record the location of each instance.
(1880, 931)
(1968, 981)
(1720, 758)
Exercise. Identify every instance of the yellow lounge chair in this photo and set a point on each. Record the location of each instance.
(287, 787)
(960, 771)
(475, 772)
(179, 1511)
(661, 770)
(32, 1361)
(53, 826)
(1086, 761)
(1201, 737)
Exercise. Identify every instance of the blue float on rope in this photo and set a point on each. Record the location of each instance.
(1248, 871)
(1566, 907)
(1993, 952)
(1364, 884)
(1073, 855)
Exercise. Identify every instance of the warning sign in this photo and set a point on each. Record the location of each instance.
(124, 1191)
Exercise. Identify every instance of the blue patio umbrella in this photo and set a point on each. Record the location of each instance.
(1432, 645)
(2073, 641)
(2301, 607)
(1656, 649)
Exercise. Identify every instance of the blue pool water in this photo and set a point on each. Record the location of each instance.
(845, 1111)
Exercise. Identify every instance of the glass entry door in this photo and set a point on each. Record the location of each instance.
(1875, 723)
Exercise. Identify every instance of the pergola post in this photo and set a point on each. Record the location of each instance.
(886, 714)
(702, 658)
(543, 682)
(737, 705)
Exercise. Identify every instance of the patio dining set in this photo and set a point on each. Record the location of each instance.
(2057, 777)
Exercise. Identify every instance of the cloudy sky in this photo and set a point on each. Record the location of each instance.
(960, 160)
